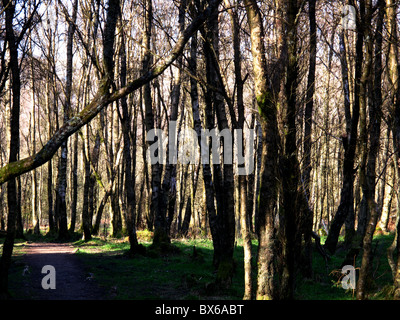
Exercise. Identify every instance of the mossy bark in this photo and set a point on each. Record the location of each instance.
(101, 99)
(266, 268)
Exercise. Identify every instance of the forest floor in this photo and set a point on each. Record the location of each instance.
(71, 279)
(100, 270)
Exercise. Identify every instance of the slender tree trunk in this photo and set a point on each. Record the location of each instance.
(115, 212)
(395, 246)
(169, 183)
(19, 228)
(192, 66)
(251, 183)
(35, 214)
(74, 202)
(291, 241)
(364, 82)
(86, 226)
(187, 217)
(99, 214)
(93, 161)
(129, 177)
(103, 98)
(223, 224)
(189, 203)
(8, 244)
(207, 175)
(108, 63)
(61, 206)
(160, 220)
(308, 218)
(267, 276)
(245, 214)
(349, 142)
(375, 126)
(394, 78)
(385, 192)
(49, 84)
(108, 193)
(355, 242)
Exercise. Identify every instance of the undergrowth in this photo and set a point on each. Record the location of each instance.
(187, 272)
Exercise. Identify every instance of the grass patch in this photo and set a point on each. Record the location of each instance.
(187, 272)
(326, 283)
(180, 275)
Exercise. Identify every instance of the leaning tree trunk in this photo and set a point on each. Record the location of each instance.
(349, 143)
(102, 98)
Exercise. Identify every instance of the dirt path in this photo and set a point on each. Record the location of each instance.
(72, 282)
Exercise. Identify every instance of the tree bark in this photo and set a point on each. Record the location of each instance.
(374, 137)
(8, 245)
(129, 177)
(35, 215)
(355, 242)
(169, 182)
(394, 78)
(290, 170)
(349, 142)
(74, 201)
(161, 236)
(86, 188)
(60, 204)
(267, 273)
(49, 86)
(245, 213)
(100, 100)
(308, 112)
(222, 224)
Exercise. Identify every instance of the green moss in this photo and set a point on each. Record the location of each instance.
(263, 297)
(265, 107)
(14, 169)
(225, 273)
(161, 244)
(160, 237)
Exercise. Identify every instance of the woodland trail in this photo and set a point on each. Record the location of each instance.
(72, 281)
